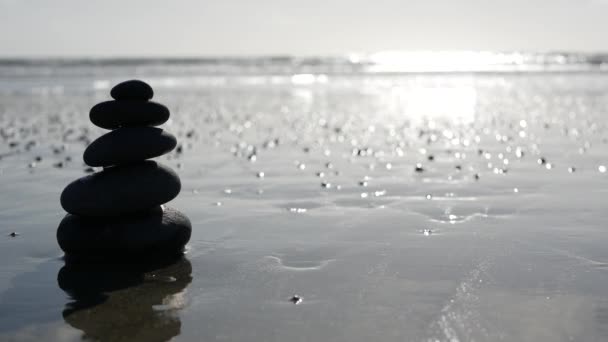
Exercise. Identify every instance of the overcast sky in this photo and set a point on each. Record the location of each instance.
(303, 27)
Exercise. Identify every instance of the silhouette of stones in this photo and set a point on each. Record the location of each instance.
(119, 211)
(132, 90)
(127, 145)
(121, 189)
(119, 113)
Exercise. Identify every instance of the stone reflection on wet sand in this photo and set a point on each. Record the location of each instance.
(110, 302)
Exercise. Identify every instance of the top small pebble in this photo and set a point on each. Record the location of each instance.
(132, 90)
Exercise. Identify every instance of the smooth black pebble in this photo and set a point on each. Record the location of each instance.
(129, 144)
(116, 114)
(155, 233)
(132, 90)
(121, 190)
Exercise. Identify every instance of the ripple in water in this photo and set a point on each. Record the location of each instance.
(302, 265)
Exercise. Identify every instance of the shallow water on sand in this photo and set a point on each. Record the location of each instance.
(310, 186)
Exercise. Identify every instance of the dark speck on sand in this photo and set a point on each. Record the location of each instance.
(296, 299)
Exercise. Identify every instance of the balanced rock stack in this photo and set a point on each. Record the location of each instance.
(119, 211)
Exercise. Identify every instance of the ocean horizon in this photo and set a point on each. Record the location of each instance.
(379, 62)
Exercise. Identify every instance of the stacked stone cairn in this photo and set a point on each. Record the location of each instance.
(119, 211)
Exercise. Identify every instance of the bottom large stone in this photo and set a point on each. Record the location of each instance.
(158, 233)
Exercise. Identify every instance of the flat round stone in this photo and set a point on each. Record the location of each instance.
(115, 114)
(127, 145)
(132, 90)
(154, 233)
(121, 189)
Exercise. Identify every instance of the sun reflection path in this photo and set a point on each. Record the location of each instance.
(455, 103)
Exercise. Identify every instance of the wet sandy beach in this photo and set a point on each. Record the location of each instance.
(440, 207)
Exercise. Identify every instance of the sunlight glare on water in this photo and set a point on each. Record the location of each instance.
(451, 102)
(446, 61)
